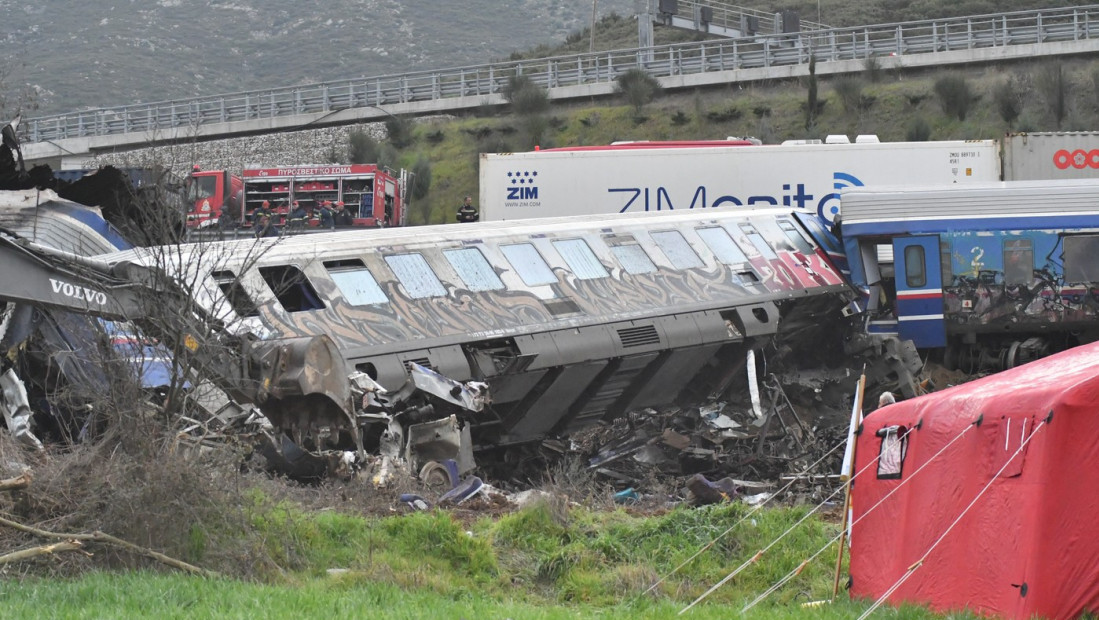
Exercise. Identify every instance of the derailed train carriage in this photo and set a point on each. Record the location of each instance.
(987, 276)
(567, 321)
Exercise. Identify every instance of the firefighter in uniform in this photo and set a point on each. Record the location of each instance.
(467, 212)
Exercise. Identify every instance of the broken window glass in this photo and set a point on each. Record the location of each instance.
(894, 446)
(356, 284)
(529, 264)
(416, 276)
(946, 262)
(800, 244)
(1080, 264)
(675, 247)
(474, 270)
(238, 298)
(1018, 261)
(722, 245)
(580, 259)
(633, 258)
(291, 288)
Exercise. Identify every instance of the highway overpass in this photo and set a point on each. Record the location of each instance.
(66, 139)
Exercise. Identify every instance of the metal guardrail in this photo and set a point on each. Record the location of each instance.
(962, 33)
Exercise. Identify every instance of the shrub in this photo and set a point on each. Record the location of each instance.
(638, 87)
(399, 131)
(1054, 90)
(421, 178)
(918, 130)
(849, 90)
(730, 113)
(955, 96)
(362, 148)
(872, 69)
(526, 97)
(1008, 100)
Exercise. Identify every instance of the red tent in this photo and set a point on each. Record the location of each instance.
(1029, 544)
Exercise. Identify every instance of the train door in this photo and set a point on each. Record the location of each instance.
(919, 290)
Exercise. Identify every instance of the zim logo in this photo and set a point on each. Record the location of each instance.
(78, 292)
(522, 193)
(521, 185)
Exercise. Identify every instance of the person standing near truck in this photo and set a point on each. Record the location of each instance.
(467, 212)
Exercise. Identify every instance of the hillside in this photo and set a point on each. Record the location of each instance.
(64, 56)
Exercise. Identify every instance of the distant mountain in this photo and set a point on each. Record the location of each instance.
(113, 52)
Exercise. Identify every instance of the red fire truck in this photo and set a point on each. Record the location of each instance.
(371, 193)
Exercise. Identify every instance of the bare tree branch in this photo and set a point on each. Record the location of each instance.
(26, 554)
(21, 481)
(101, 537)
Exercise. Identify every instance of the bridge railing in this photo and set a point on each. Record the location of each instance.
(962, 33)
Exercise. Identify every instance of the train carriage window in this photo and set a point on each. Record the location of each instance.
(759, 242)
(474, 270)
(675, 247)
(722, 245)
(800, 244)
(915, 267)
(1080, 262)
(356, 284)
(529, 264)
(1018, 261)
(291, 288)
(239, 300)
(415, 275)
(580, 259)
(633, 258)
(946, 261)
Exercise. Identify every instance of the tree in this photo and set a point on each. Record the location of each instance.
(638, 87)
(849, 90)
(526, 97)
(1009, 101)
(955, 96)
(530, 102)
(398, 131)
(1054, 89)
(812, 105)
(362, 148)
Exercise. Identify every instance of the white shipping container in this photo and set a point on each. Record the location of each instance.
(628, 179)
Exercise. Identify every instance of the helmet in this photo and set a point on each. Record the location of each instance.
(339, 203)
(265, 204)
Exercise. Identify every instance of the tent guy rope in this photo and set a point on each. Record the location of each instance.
(918, 563)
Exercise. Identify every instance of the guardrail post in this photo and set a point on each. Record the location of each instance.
(900, 40)
(1038, 31)
(969, 34)
(766, 52)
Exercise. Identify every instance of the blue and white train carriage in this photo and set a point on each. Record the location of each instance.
(994, 274)
(568, 320)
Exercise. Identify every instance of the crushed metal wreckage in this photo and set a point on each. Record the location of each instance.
(376, 359)
(739, 447)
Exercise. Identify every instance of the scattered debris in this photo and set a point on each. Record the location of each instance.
(705, 492)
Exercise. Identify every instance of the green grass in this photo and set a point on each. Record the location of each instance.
(540, 562)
